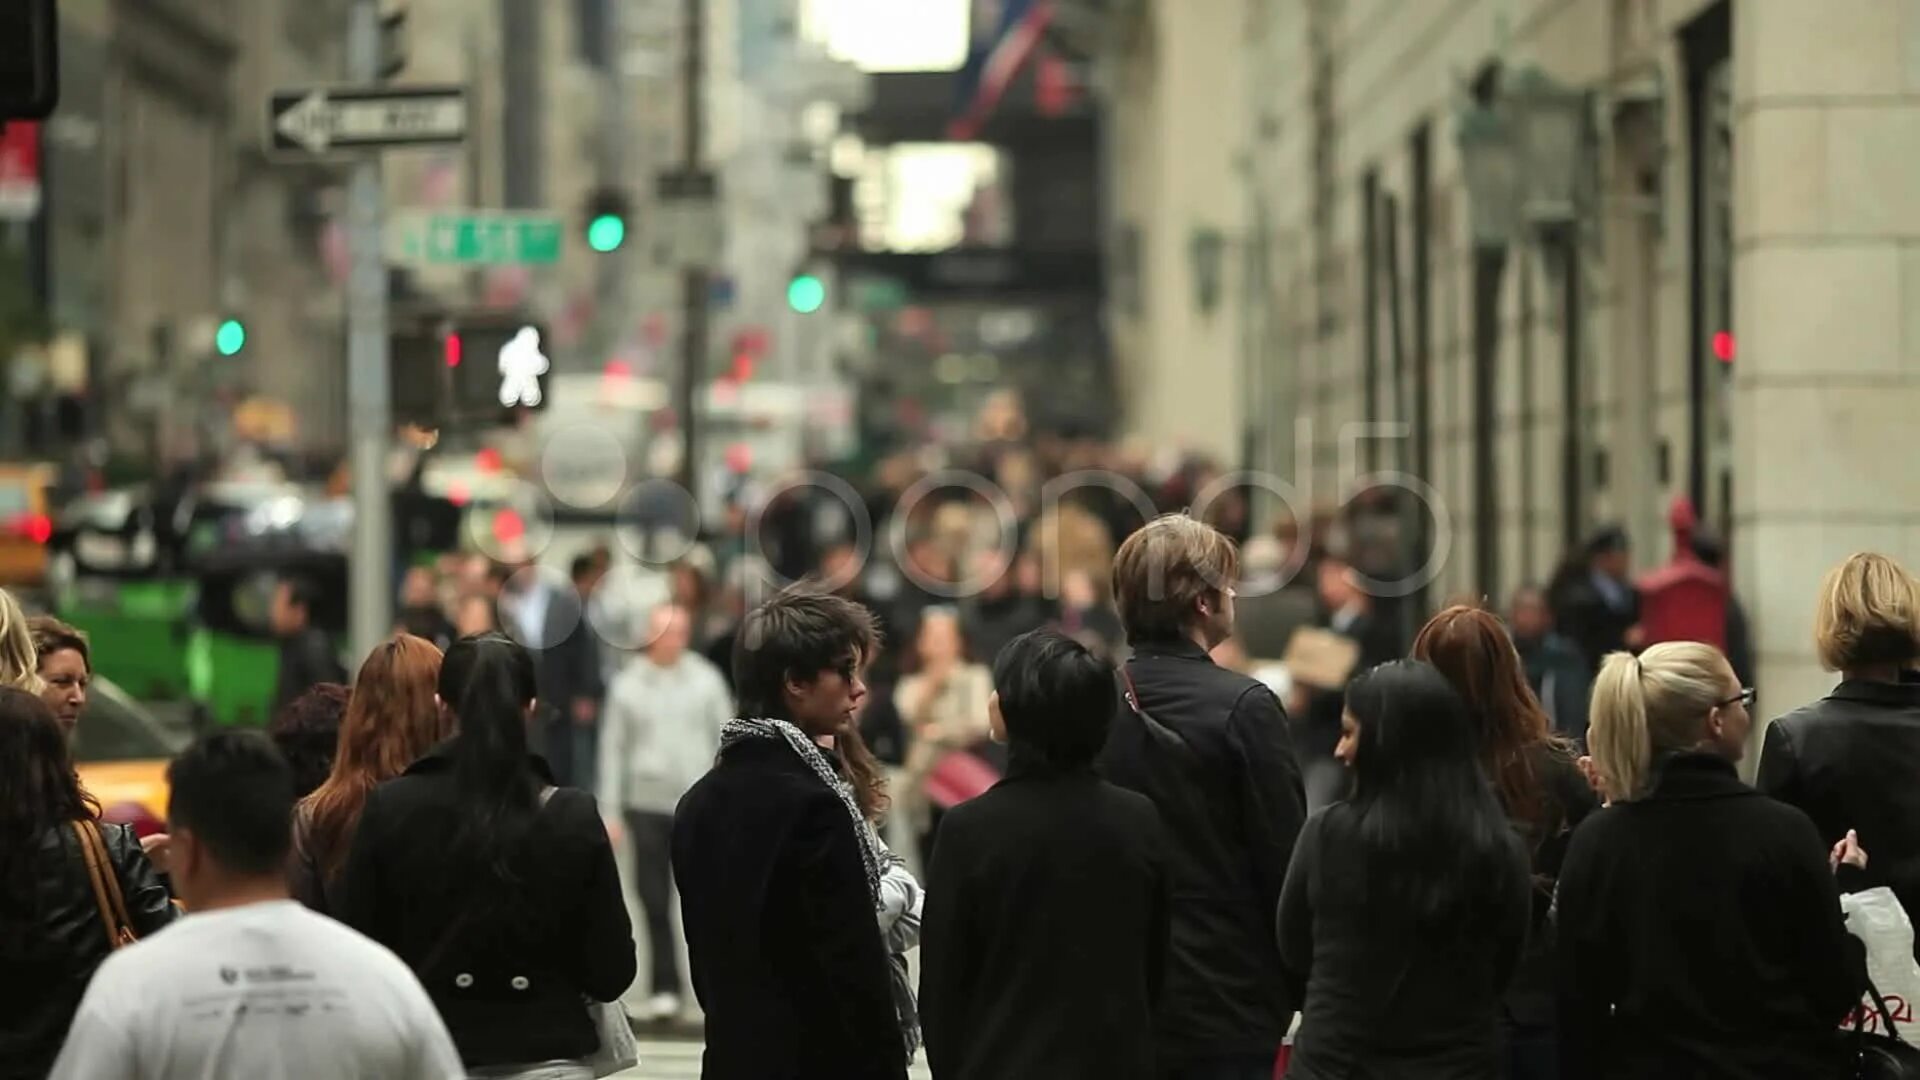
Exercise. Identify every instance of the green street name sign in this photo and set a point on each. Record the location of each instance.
(473, 238)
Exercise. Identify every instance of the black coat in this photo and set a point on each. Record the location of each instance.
(1217, 761)
(508, 968)
(781, 927)
(1700, 936)
(48, 957)
(1581, 613)
(1852, 761)
(1385, 997)
(1043, 945)
(307, 659)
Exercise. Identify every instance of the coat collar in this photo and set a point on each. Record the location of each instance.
(1695, 774)
(1025, 765)
(1904, 694)
(1174, 648)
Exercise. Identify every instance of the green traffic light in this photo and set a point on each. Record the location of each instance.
(806, 294)
(606, 233)
(230, 338)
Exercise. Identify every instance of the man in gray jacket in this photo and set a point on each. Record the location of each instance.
(659, 734)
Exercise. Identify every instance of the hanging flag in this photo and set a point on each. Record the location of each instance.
(1006, 34)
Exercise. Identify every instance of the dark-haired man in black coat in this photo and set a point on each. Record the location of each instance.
(776, 867)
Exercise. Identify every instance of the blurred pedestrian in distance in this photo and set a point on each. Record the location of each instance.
(475, 617)
(1209, 748)
(1407, 903)
(1048, 903)
(780, 873)
(52, 933)
(1850, 759)
(1542, 792)
(1273, 599)
(499, 890)
(307, 654)
(64, 662)
(307, 734)
(1699, 926)
(1086, 617)
(571, 680)
(1556, 670)
(421, 613)
(391, 720)
(1346, 609)
(1709, 548)
(664, 713)
(943, 708)
(298, 994)
(1000, 611)
(18, 661)
(1594, 602)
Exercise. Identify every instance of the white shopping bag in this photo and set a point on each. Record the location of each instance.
(1876, 918)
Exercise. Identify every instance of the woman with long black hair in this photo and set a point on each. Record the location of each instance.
(497, 888)
(1406, 905)
(52, 933)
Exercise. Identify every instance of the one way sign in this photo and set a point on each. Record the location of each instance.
(315, 122)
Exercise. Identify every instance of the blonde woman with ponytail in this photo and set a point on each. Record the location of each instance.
(18, 661)
(1699, 921)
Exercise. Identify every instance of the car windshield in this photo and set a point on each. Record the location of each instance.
(13, 499)
(115, 727)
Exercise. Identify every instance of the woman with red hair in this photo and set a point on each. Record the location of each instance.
(392, 720)
(1537, 778)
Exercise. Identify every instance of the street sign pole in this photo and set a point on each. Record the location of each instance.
(370, 588)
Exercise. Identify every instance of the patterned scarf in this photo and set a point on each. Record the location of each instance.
(873, 853)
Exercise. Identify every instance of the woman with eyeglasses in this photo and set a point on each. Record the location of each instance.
(1699, 923)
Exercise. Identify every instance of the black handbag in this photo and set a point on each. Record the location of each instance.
(1879, 1056)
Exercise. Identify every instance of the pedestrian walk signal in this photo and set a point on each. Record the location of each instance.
(472, 370)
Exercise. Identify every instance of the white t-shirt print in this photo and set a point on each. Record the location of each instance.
(267, 991)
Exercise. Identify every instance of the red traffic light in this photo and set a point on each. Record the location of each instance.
(450, 347)
(1723, 346)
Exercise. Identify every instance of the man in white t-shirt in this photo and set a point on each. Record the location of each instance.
(251, 985)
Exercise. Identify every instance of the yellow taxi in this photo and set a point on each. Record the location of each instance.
(26, 523)
(122, 751)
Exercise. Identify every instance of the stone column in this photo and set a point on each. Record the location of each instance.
(1827, 310)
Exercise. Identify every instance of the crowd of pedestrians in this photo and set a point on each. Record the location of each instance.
(1091, 830)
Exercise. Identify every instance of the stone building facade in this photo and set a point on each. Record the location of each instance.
(1739, 272)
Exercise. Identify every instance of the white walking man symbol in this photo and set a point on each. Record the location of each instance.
(521, 365)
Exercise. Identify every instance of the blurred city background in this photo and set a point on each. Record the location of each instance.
(1593, 257)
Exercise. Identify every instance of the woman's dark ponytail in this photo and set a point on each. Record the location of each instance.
(489, 680)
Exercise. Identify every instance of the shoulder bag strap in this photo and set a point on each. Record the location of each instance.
(106, 885)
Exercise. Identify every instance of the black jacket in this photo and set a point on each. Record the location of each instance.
(1581, 612)
(781, 928)
(1217, 761)
(1044, 940)
(1700, 936)
(1566, 801)
(508, 968)
(1385, 997)
(307, 659)
(1852, 761)
(49, 950)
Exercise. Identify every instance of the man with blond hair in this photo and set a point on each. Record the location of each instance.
(1210, 747)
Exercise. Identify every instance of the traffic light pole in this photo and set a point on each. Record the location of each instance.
(370, 586)
(693, 334)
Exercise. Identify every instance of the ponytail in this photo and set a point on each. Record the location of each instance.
(491, 680)
(1617, 727)
(1648, 706)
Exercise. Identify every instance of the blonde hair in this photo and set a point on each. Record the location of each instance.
(1868, 613)
(1164, 568)
(1650, 705)
(19, 660)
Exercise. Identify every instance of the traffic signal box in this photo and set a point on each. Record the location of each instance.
(468, 371)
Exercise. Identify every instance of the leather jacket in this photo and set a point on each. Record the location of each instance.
(52, 939)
